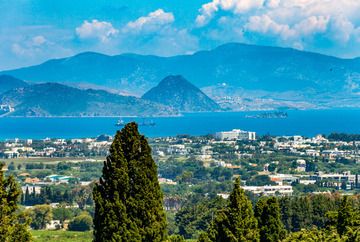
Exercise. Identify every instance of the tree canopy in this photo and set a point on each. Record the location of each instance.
(128, 199)
(13, 225)
(236, 222)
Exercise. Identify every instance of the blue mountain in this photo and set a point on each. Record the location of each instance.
(239, 66)
(177, 92)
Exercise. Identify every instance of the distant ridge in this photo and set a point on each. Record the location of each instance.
(8, 82)
(175, 91)
(315, 78)
(53, 99)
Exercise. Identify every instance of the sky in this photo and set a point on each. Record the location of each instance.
(32, 32)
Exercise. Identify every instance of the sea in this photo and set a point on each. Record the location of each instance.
(299, 122)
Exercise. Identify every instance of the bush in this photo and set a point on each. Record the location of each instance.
(83, 222)
(176, 238)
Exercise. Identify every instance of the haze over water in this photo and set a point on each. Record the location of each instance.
(306, 123)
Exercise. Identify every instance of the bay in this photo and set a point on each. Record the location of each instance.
(306, 123)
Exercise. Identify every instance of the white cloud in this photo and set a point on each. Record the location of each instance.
(311, 25)
(30, 46)
(265, 25)
(156, 34)
(208, 10)
(154, 21)
(39, 40)
(303, 24)
(341, 29)
(272, 3)
(96, 29)
(17, 49)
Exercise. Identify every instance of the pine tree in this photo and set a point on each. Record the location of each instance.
(128, 199)
(345, 216)
(267, 212)
(236, 222)
(13, 227)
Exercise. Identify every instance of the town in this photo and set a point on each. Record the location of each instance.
(267, 165)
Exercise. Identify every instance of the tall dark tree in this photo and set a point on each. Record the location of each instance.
(13, 226)
(236, 222)
(267, 212)
(128, 199)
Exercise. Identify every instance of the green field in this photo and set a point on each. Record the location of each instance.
(48, 160)
(60, 235)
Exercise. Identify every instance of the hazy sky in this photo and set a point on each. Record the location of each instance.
(34, 31)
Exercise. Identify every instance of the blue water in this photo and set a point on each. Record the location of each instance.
(307, 123)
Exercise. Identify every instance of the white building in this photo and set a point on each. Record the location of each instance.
(301, 165)
(235, 134)
(270, 190)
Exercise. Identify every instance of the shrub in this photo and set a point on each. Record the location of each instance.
(83, 222)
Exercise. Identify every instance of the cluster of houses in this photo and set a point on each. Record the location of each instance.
(317, 147)
(47, 147)
(243, 144)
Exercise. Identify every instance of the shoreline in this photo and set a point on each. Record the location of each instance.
(182, 114)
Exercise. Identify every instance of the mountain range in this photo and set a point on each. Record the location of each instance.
(172, 96)
(237, 76)
(53, 99)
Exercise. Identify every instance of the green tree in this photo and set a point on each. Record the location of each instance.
(260, 180)
(196, 214)
(236, 222)
(345, 216)
(62, 213)
(83, 222)
(313, 235)
(13, 225)
(176, 238)
(128, 199)
(267, 212)
(40, 216)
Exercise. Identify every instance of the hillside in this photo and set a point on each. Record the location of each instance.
(8, 82)
(53, 99)
(177, 92)
(269, 74)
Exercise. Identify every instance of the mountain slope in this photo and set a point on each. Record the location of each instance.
(177, 92)
(263, 77)
(8, 82)
(239, 65)
(53, 99)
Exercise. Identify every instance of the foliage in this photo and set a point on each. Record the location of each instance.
(40, 216)
(303, 212)
(128, 199)
(62, 213)
(343, 137)
(313, 235)
(267, 212)
(13, 226)
(61, 235)
(347, 217)
(83, 222)
(196, 214)
(236, 222)
(260, 180)
(176, 238)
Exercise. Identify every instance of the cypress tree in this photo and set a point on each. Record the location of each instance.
(128, 199)
(267, 212)
(345, 216)
(236, 222)
(13, 226)
(27, 195)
